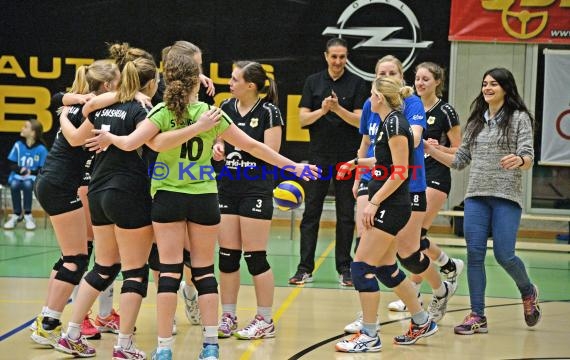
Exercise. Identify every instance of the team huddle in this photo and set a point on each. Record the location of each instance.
(121, 116)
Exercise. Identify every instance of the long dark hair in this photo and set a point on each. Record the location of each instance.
(513, 102)
(255, 73)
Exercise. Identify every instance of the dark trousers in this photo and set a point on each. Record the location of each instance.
(316, 192)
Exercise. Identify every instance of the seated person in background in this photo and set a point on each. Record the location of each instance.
(26, 159)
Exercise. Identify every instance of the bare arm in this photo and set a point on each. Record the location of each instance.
(145, 130)
(308, 117)
(99, 102)
(418, 134)
(350, 117)
(74, 136)
(72, 99)
(272, 138)
(441, 156)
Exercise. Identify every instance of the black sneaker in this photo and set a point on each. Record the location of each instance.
(532, 312)
(345, 278)
(300, 278)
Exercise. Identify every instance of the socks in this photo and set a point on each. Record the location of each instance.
(229, 309)
(106, 302)
(420, 318)
(125, 341)
(442, 260)
(210, 334)
(441, 291)
(73, 331)
(165, 343)
(265, 312)
(369, 329)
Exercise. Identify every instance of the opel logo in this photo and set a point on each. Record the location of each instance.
(379, 37)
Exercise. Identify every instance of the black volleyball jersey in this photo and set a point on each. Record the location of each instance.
(244, 174)
(394, 124)
(440, 119)
(115, 168)
(65, 164)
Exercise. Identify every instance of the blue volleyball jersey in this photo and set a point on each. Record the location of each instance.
(416, 115)
(369, 124)
(32, 158)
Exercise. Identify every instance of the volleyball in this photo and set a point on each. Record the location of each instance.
(288, 195)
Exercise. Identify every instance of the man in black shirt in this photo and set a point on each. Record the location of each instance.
(330, 108)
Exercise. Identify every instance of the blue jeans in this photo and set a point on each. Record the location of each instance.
(18, 187)
(504, 217)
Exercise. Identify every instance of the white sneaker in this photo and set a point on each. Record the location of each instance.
(359, 343)
(453, 275)
(399, 305)
(258, 328)
(356, 326)
(438, 306)
(11, 222)
(29, 221)
(190, 305)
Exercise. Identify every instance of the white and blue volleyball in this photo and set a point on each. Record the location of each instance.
(288, 195)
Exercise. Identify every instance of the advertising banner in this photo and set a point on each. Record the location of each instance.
(555, 148)
(527, 21)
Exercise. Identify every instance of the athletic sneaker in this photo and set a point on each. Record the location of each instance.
(532, 312)
(228, 325)
(131, 353)
(12, 221)
(88, 330)
(472, 324)
(360, 342)
(162, 354)
(301, 278)
(345, 278)
(46, 337)
(399, 305)
(209, 352)
(356, 326)
(190, 306)
(109, 324)
(34, 325)
(29, 222)
(416, 332)
(77, 348)
(258, 328)
(453, 274)
(438, 306)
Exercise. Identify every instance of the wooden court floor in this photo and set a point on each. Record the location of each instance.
(309, 319)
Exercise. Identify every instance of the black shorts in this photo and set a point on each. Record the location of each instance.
(251, 206)
(419, 201)
(392, 218)
(56, 199)
(124, 209)
(169, 206)
(362, 188)
(443, 186)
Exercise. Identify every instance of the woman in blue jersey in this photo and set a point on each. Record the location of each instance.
(184, 131)
(385, 215)
(26, 159)
(56, 190)
(119, 203)
(246, 203)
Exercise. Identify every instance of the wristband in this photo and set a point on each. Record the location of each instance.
(371, 203)
(522, 161)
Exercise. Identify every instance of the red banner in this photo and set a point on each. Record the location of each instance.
(528, 21)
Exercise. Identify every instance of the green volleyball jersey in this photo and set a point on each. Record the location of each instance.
(186, 168)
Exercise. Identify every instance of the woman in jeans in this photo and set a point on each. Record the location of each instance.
(498, 144)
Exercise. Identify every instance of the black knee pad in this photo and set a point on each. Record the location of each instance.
(153, 259)
(256, 262)
(73, 277)
(229, 260)
(58, 264)
(168, 283)
(416, 263)
(364, 277)
(186, 258)
(134, 286)
(95, 276)
(424, 244)
(386, 275)
(207, 284)
(423, 233)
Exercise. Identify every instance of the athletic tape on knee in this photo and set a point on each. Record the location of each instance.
(390, 275)
(416, 263)
(69, 276)
(96, 278)
(168, 283)
(256, 262)
(134, 286)
(153, 259)
(364, 277)
(228, 260)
